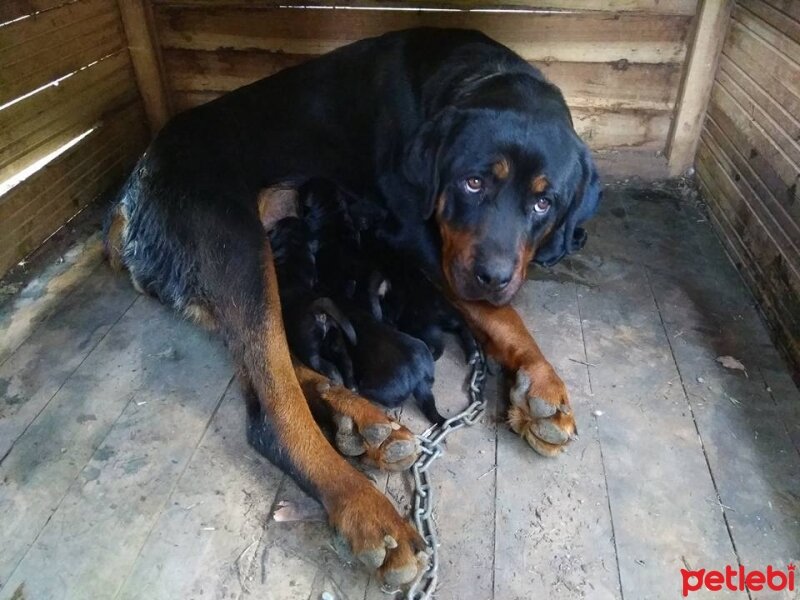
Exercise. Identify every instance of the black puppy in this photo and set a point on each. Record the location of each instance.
(407, 300)
(389, 365)
(315, 327)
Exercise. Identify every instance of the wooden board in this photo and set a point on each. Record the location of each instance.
(577, 37)
(649, 442)
(749, 161)
(38, 125)
(150, 410)
(608, 86)
(15, 9)
(204, 543)
(35, 208)
(35, 372)
(542, 552)
(40, 49)
(667, 7)
(698, 78)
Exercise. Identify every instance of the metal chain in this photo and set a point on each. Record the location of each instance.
(431, 449)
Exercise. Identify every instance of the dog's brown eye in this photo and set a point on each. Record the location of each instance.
(542, 205)
(473, 184)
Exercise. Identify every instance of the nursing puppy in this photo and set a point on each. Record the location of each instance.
(389, 365)
(315, 327)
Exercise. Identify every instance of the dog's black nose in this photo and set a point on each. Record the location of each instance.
(494, 275)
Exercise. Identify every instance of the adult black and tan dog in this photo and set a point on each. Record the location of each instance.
(473, 155)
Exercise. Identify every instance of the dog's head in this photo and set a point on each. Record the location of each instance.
(507, 180)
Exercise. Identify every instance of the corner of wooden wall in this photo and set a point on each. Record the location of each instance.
(145, 54)
(708, 37)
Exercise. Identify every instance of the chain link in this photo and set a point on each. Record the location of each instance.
(430, 449)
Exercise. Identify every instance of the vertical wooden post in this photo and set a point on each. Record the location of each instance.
(145, 55)
(711, 25)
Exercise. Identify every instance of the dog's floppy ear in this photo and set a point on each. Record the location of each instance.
(569, 236)
(422, 157)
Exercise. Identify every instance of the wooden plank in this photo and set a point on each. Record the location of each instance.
(781, 19)
(788, 7)
(36, 302)
(38, 125)
(660, 523)
(204, 542)
(709, 35)
(578, 37)
(75, 528)
(601, 130)
(588, 85)
(778, 77)
(778, 38)
(144, 49)
(782, 335)
(38, 50)
(665, 7)
(766, 212)
(756, 467)
(16, 9)
(32, 375)
(110, 137)
(623, 163)
(554, 537)
(780, 132)
(39, 205)
(772, 277)
(707, 312)
(736, 122)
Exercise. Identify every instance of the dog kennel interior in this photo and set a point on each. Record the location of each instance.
(124, 469)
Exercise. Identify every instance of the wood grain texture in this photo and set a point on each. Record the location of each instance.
(40, 49)
(709, 34)
(749, 158)
(34, 127)
(15, 9)
(35, 208)
(580, 36)
(664, 7)
(146, 58)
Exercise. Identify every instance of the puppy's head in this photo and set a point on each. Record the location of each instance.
(507, 181)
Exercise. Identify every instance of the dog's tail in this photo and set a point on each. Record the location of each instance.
(329, 307)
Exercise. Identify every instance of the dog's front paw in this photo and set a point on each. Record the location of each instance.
(540, 410)
(368, 528)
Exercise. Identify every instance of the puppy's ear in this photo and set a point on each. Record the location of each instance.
(569, 236)
(422, 158)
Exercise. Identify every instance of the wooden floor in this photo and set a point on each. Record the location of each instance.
(125, 473)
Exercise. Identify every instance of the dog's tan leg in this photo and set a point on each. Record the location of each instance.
(362, 429)
(364, 517)
(540, 410)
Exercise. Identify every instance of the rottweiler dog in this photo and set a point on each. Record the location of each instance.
(472, 154)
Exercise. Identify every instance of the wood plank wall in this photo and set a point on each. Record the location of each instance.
(619, 62)
(82, 44)
(748, 161)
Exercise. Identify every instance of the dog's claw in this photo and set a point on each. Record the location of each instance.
(376, 433)
(372, 558)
